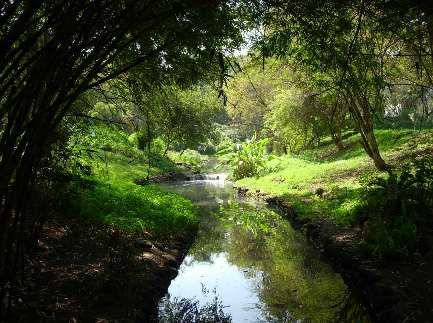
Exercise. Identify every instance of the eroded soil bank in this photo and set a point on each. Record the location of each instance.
(93, 273)
(392, 290)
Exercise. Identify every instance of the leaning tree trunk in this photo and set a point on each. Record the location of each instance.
(360, 110)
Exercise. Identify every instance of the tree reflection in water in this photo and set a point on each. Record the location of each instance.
(277, 274)
(183, 310)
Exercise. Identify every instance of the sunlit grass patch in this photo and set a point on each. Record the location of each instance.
(116, 200)
(132, 207)
(302, 178)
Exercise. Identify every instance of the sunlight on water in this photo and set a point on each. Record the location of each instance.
(218, 276)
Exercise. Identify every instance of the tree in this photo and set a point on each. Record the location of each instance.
(329, 45)
(289, 125)
(51, 52)
(330, 114)
(249, 93)
(359, 48)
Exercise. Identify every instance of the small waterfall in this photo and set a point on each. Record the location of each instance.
(208, 177)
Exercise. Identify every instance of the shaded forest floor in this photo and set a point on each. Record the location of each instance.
(96, 273)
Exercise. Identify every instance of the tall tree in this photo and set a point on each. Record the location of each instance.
(327, 39)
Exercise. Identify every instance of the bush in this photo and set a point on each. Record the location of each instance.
(391, 238)
(398, 207)
(248, 160)
(188, 157)
(185, 310)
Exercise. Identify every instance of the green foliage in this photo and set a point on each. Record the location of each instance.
(250, 93)
(390, 238)
(178, 117)
(106, 111)
(290, 124)
(132, 207)
(398, 206)
(140, 141)
(280, 102)
(91, 140)
(248, 160)
(336, 172)
(189, 158)
(112, 197)
(227, 139)
(189, 310)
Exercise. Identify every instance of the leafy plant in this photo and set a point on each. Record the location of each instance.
(182, 310)
(248, 159)
(398, 207)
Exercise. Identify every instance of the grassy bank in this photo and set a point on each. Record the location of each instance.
(325, 182)
(114, 199)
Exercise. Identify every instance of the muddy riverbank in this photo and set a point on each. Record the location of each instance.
(241, 253)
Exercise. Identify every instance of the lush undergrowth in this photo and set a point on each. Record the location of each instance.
(113, 198)
(324, 182)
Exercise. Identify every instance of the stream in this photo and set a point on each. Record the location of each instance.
(248, 264)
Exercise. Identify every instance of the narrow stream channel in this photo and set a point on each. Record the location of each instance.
(248, 264)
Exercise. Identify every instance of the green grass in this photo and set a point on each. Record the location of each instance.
(116, 200)
(131, 207)
(297, 178)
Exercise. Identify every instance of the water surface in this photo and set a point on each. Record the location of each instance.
(251, 264)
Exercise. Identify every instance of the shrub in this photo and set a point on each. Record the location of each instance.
(247, 160)
(188, 157)
(398, 207)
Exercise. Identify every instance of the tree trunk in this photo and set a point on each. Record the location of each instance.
(337, 138)
(369, 143)
(361, 112)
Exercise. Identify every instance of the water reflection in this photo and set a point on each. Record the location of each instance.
(259, 267)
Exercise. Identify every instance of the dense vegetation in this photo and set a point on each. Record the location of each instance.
(110, 195)
(325, 104)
